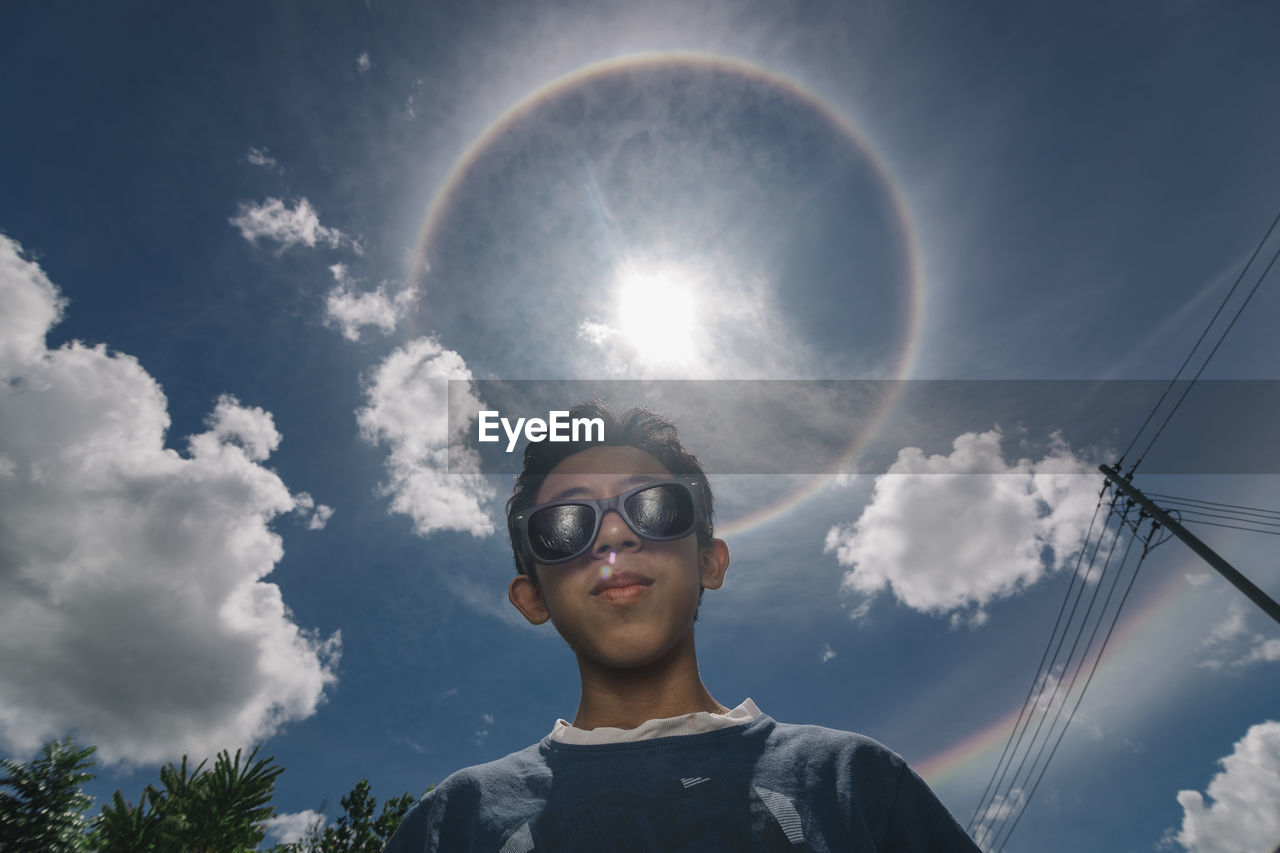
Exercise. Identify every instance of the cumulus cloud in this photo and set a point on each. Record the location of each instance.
(949, 534)
(362, 62)
(273, 220)
(407, 405)
(260, 157)
(351, 311)
(317, 515)
(291, 827)
(1244, 816)
(133, 605)
(827, 653)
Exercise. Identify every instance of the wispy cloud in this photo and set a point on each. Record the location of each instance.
(827, 653)
(407, 400)
(995, 817)
(1232, 643)
(161, 590)
(288, 226)
(1245, 810)
(260, 157)
(352, 311)
(950, 534)
(362, 62)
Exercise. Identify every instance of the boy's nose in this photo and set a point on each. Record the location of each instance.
(614, 535)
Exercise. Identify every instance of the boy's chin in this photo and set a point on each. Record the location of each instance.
(632, 653)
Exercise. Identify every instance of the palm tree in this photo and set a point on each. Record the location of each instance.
(222, 810)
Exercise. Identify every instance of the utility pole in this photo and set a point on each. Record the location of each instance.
(1242, 583)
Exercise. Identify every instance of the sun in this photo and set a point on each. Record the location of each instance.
(656, 313)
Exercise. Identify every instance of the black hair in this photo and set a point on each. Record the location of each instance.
(640, 428)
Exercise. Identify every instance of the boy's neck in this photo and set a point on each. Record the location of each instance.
(669, 687)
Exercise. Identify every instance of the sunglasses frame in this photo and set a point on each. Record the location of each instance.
(519, 521)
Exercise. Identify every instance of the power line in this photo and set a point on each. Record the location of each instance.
(1200, 512)
(1253, 510)
(1233, 526)
(1207, 359)
(1026, 703)
(1146, 549)
(992, 831)
(1199, 340)
(1039, 683)
(1227, 516)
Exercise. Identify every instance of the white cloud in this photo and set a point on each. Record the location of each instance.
(133, 605)
(410, 111)
(352, 311)
(273, 220)
(845, 478)
(291, 827)
(320, 517)
(1267, 650)
(995, 817)
(317, 515)
(362, 62)
(596, 334)
(949, 534)
(1232, 643)
(488, 719)
(407, 404)
(31, 306)
(1244, 816)
(254, 430)
(260, 157)
(827, 652)
(1047, 691)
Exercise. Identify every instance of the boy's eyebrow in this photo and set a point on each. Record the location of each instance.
(576, 491)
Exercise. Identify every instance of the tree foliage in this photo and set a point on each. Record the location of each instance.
(356, 830)
(222, 810)
(44, 814)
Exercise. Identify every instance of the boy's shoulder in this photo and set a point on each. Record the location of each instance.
(498, 773)
(468, 799)
(844, 748)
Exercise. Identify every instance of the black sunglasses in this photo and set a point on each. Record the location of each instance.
(560, 531)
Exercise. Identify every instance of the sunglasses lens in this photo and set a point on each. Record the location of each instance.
(560, 532)
(661, 512)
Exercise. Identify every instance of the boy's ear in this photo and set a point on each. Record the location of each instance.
(527, 598)
(713, 560)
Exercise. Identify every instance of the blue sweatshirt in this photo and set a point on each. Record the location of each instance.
(761, 786)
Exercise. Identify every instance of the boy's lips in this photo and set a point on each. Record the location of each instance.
(617, 580)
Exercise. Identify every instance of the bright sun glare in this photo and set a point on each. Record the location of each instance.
(656, 310)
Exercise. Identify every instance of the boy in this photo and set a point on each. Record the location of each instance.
(613, 546)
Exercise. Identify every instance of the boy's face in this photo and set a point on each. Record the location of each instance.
(642, 621)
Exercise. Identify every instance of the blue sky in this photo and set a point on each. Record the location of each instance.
(244, 247)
